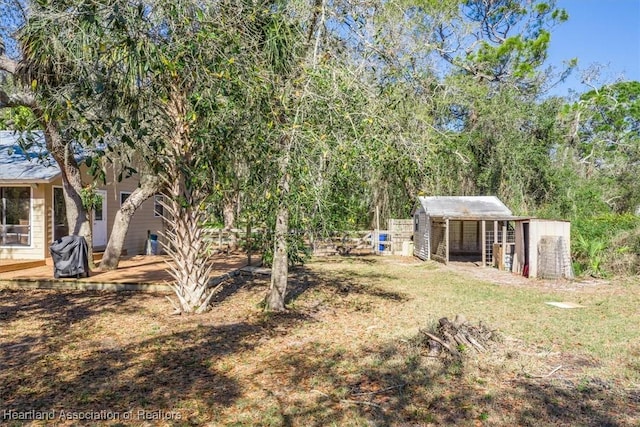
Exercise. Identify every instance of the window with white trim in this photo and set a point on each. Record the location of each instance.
(124, 195)
(15, 225)
(158, 208)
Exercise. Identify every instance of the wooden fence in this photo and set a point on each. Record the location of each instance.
(395, 240)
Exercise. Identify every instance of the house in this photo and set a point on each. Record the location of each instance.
(482, 229)
(33, 210)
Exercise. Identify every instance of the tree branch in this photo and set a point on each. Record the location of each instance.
(18, 99)
(7, 64)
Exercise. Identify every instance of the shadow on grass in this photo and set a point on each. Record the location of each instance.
(58, 311)
(241, 282)
(304, 278)
(311, 383)
(172, 371)
(340, 283)
(396, 386)
(155, 375)
(59, 307)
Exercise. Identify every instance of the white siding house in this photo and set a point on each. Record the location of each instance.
(32, 208)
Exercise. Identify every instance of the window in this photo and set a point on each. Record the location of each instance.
(15, 227)
(124, 196)
(98, 211)
(416, 222)
(158, 208)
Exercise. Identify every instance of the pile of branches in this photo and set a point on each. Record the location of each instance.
(457, 337)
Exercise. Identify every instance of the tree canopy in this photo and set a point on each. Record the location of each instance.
(308, 117)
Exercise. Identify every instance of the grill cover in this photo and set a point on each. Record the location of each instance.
(70, 257)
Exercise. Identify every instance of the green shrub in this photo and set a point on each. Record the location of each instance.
(601, 242)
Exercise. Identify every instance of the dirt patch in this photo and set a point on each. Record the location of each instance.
(493, 275)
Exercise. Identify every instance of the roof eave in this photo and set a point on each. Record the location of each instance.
(19, 181)
(481, 217)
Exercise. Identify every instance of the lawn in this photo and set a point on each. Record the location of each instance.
(348, 353)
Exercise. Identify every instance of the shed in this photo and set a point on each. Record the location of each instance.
(543, 248)
(461, 227)
(482, 229)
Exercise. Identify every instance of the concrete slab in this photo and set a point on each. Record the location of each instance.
(564, 304)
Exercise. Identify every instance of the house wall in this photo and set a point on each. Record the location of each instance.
(38, 247)
(143, 219)
(421, 234)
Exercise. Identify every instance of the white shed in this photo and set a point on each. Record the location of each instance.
(543, 248)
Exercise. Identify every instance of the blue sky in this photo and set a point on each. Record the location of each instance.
(606, 32)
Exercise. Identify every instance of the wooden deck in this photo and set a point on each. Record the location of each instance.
(140, 272)
(7, 265)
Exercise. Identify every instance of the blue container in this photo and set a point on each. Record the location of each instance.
(152, 244)
(382, 238)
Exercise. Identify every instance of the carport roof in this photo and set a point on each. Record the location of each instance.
(465, 207)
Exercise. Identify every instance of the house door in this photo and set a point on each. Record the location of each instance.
(60, 227)
(100, 221)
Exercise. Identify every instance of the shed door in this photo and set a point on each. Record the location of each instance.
(100, 221)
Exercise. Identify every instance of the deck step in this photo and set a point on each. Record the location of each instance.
(22, 265)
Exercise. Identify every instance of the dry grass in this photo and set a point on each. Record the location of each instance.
(347, 353)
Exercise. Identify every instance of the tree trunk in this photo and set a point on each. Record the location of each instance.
(280, 269)
(149, 185)
(229, 208)
(77, 216)
(186, 207)
(185, 244)
(249, 241)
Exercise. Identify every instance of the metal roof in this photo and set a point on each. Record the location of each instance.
(33, 166)
(465, 207)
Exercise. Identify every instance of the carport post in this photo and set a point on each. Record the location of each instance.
(446, 231)
(484, 242)
(504, 243)
(495, 240)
